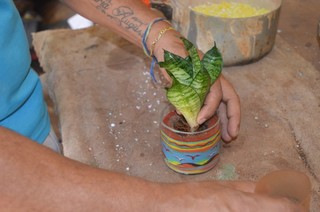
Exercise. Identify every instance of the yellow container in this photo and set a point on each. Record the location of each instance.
(240, 40)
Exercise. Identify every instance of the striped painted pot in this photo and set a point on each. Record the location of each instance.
(190, 152)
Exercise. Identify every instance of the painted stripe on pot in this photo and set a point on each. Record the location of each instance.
(198, 136)
(186, 148)
(194, 170)
(195, 158)
(170, 141)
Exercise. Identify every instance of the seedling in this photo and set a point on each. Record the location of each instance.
(192, 79)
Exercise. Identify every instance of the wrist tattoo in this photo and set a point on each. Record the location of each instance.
(103, 5)
(122, 15)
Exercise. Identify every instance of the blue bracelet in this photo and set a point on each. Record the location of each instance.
(145, 48)
(146, 34)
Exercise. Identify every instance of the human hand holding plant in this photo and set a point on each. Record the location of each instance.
(220, 97)
(223, 98)
(191, 79)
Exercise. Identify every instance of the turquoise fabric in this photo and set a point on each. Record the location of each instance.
(22, 107)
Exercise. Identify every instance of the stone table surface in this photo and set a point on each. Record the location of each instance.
(109, 109)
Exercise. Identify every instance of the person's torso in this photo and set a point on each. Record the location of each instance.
(21, 108)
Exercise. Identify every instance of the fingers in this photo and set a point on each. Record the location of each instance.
(229, 111)
(222, 112)
(240, 196)
(281, 204)
(211, 103)
(224, 99)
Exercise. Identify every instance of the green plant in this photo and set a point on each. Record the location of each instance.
(192, 79)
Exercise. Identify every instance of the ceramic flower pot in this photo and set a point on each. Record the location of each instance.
(189, 152)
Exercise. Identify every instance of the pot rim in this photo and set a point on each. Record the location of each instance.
(171, 110)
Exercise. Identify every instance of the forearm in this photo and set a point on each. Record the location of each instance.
(128, 18)
(33, 176)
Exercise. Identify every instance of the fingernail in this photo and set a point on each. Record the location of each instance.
(201, 121)
(237, 130)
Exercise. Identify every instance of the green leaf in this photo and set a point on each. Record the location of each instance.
(186, 101)
(201, 83)
(193, 53)
(178, 68)
(213, 63)
(192, 79)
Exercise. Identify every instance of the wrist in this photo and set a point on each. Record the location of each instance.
(160, 35)
(155, 31)
(170, 42)
(149, 30)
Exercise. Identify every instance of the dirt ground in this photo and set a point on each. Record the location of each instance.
(277, 107)
(298, 24)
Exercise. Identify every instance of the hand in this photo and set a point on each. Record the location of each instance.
(221, 196)
(224, 99)
(221, 98)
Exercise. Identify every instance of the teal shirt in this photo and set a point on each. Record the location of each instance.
(22, 106)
